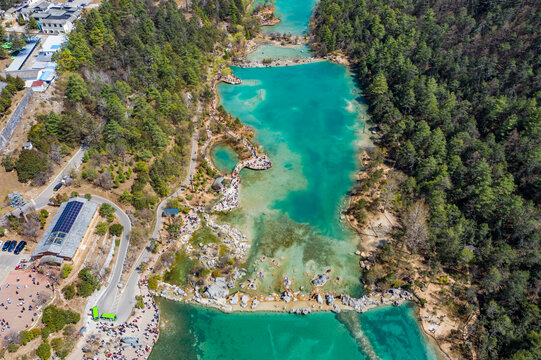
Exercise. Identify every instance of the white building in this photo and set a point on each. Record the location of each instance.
(50, 46)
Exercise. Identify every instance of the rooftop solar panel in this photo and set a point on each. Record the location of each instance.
(66, 220)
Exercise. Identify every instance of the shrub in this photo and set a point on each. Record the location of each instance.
(140, 304)
(66, 270)
(55, 319)
(69, 292)
(44, 351)
(7, 163)
(88, 284)
(116, 229)
(57, 343)
(29, 164)
(84, 289)
(106, 210)
(153, 283)
(27, 336)
(101, 228)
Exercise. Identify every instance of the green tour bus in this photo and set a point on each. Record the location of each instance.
(106, 316)
(95, 313)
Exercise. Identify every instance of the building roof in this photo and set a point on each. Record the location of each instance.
(53, 43)
(37, 83)
(22, 56)
(170, 211)
(63, 236)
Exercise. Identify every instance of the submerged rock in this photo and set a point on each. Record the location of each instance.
(302, 311)
(320, 280)
(287, 282)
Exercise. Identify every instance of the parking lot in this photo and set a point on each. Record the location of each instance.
(8, 261)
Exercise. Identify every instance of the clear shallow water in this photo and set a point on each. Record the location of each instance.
(305, 118)
(224, 158)
(294, 15)
(273, 52)
(195, 333)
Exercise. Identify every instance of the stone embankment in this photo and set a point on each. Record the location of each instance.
(217, 295)
(278, 62)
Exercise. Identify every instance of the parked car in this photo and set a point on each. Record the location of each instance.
(1, 242)
(6, 245)
(12, 246)
(57, 187)
(19, 247)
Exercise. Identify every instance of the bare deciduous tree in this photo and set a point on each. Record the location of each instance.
(55, 153)
(105, 180)
(31, 228)
(415, 225)
(388, 193)
(11, 337)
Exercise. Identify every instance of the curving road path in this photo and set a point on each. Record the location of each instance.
(106, 300)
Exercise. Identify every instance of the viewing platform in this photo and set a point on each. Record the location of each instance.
(230, 79)
(231, 194)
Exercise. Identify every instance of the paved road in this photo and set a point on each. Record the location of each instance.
(8, 261)
(106, 301)
(43, 199)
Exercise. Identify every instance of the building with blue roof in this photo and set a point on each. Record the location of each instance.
(170, 211)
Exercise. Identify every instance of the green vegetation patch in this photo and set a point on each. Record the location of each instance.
(204, 236)
(55, 319)
(182, 268)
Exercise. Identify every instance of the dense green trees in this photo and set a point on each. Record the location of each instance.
(134, 73)
(29, 164)
(13, 85)
(454, 90)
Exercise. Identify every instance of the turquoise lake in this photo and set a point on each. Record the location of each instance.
(306, 118)
(191, 332)
(294, 15)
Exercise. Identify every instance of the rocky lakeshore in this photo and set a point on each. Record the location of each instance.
(279, 62)
(217, 295)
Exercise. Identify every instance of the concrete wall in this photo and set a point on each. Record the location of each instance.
(29, 74)
(14, 120)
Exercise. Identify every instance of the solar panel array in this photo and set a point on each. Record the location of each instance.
(66, 220)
